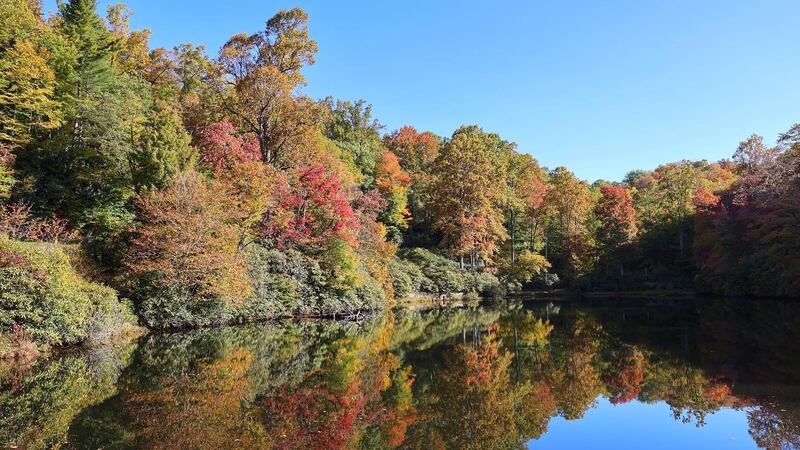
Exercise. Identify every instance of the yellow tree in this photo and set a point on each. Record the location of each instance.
(393, 183)
(569, 204)
(467, 194)
(524, 197)
(27, 81)
(6, 173)
(417, 153)
(265, 72)
(188, 238)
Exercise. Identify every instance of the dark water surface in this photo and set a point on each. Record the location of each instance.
(612, 375)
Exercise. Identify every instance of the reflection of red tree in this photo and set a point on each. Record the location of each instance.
(626, 381)
(536, 407)
(360, 390)
(718, 393)
(314, 417)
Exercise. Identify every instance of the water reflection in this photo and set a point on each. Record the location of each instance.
(491, 377)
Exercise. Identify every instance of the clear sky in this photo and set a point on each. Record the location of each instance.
(599, 86)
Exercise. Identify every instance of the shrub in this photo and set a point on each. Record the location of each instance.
(176, 307)
(289, 283)
(42, 293)
(17, 222)
(369, 294)
(184, 259)
(441, 275)
(406, 277)
(281, 280)
(486, 284)
(6, 173)
(284, 283)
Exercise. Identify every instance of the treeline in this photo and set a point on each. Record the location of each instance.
(748, 236)
(212, 190)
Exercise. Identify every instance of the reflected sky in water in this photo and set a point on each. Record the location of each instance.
(648, 426)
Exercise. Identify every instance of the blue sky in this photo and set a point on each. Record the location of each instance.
(601, 87)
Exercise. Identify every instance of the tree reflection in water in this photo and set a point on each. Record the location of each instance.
(484, 378)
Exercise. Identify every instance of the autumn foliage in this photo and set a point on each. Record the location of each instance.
(313, 210)
(747, 235)
(173, 168)
(393, 182)
(187, 239)
(221, 148)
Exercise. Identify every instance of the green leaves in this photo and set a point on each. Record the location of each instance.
(40, 291)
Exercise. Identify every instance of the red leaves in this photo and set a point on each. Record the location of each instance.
(315, 417)
(13, 260)
(221, 148)
(416, 150)
(369, 204)
(8, 259)
(312, 210)
(617, 215)
(626, 381)
(17, 222)
(6, 155)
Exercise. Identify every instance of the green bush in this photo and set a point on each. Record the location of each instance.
(406, 277)
(281, 283)
(42, 293)
(369, 294)
(289, 283)
(285, 283)
(174, 307)
(440, 275)
(486, 284)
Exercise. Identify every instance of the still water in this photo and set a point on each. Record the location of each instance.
(611, 375)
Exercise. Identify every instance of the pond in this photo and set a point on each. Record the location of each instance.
(613, 374)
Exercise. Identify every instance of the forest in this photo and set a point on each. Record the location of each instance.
(184, 187)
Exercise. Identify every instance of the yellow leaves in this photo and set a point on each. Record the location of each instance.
(251, 186)
(286, 123)
(466, 193)
(202, 408)
(538, 332)
(27, 86)
(188, 239)
(342, 261)
(527, 266)
(570, 200)
(393, 182)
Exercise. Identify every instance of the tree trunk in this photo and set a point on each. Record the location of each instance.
(516, 353)
(262, 141)
(513, 238)
(546, 245)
